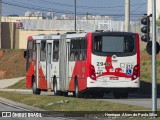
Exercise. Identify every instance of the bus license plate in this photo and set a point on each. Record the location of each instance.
(114, 78)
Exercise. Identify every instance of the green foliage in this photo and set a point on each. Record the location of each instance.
(158, 21)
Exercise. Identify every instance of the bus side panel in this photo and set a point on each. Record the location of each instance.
(79, 72)
(31, 71)
(42, 80)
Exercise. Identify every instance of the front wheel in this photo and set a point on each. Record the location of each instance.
(35, 90)
(55, 88)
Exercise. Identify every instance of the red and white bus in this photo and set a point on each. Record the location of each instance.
(87, 64)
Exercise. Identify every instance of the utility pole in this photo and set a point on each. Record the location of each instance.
(0, 23)
(75, 15)
(127, 15)
(154, 69)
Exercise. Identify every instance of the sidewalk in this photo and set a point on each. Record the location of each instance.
(8, 82)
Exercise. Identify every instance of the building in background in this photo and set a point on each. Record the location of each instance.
(19, 18)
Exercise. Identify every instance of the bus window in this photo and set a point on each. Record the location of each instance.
(43, 51)
(34, 51)
(78, 49)
(83, 49)
(55, 50)
(129, 44)
(118, 45)
(30, 45)
(72, 47)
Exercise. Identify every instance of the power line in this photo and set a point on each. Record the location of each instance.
(34, 8)
(92, 7)
(58, 11)
(22, 4)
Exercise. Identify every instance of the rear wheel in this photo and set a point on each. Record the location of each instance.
(77, 93)
(35, 89)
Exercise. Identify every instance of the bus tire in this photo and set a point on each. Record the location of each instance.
(77, 92)
(35, 90)
(55, 86)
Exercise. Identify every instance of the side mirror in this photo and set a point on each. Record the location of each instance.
(25, 54)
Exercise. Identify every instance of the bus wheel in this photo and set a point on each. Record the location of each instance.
(55, 87)
(77, 93)
(116, 95)
(35, 89)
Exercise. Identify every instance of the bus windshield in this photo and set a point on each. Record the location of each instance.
(114, 44)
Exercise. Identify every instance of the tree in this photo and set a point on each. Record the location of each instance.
(158, 21)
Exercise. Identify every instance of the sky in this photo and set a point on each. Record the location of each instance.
(114, 8)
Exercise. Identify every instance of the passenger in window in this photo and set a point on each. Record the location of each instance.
(72, 56)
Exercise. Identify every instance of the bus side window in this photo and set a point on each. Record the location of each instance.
(34, 51)
(77, 50)
(43, 51)
(71, 58)
(83, 49)
(55, 50)
(30, 47)
(98, 44)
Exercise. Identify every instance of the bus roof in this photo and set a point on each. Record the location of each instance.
(73, 35)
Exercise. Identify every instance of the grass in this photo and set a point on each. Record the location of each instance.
(73, 104)
(146, 67)
(19, 85)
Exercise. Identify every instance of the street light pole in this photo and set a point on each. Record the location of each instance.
(75, 15)
(127, 15)
(0, 24)
(154, 69)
